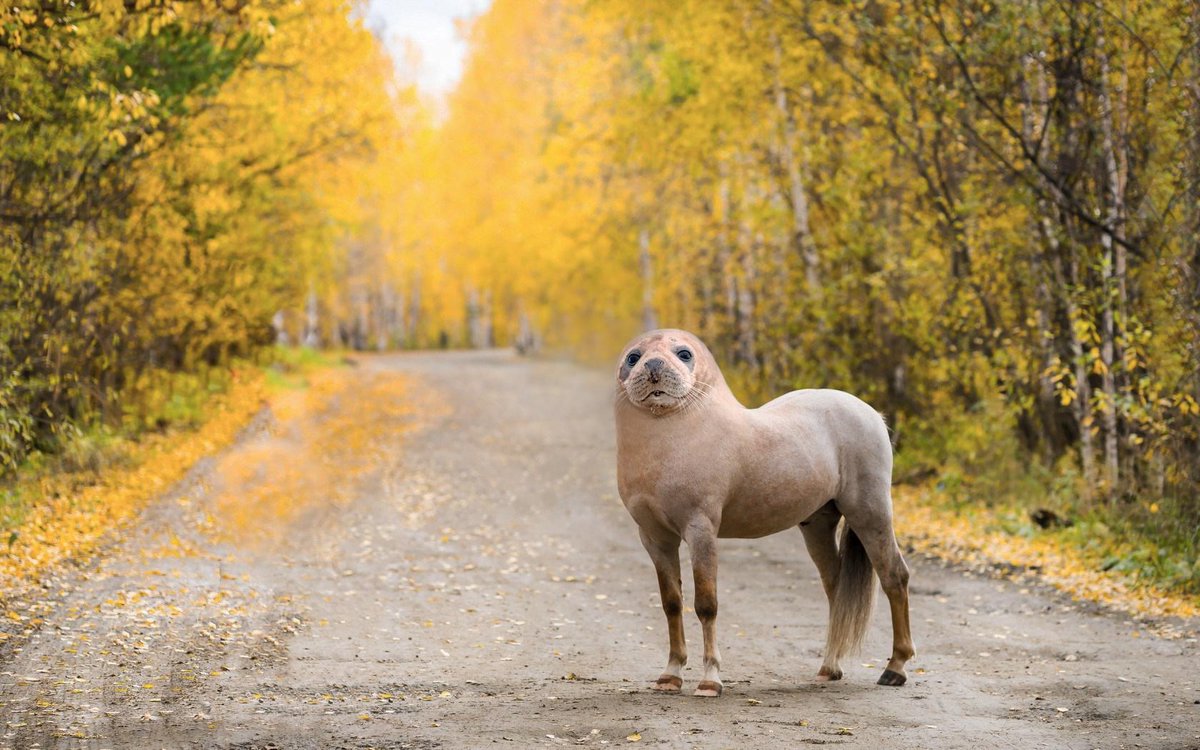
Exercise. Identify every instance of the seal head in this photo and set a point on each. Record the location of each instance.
(665, 371)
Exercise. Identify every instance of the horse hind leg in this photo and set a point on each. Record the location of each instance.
(893, 574)
(879, 540)
(820, 537)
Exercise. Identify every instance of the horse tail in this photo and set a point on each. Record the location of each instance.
(853, 597)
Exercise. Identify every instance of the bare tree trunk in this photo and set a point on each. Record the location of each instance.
(708, 303)
(527, 338)
(709, 274)
(362, 318)
(747, 344)
(802, 239)
(1193, 173)
(1113, 275)
(385, 316)
(400, 330)
(487, 320)
(414, 309)
(1191, 292)
(649, 319)
(1065, 268)
(725, 250)
(312, 329)
(1082, 405)
(474, 329)
(279, 323)
(776, 307)
(1052, 441)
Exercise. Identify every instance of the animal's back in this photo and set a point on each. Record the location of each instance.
(852, 425)
(837, 409)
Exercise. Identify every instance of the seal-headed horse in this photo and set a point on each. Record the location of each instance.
(694, 465)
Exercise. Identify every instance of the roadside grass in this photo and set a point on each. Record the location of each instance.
(291, 368)
(970, 494)
(59, 506)
(1003, 540)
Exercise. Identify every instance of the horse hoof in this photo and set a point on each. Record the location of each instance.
(828, 675)
(668, 683)
(709, 689)
(893, 679)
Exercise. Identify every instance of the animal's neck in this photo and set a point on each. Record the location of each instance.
(636, 425)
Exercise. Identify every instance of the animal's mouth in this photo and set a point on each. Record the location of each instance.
(657, 394)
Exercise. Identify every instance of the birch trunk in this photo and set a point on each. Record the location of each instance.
(312, 321)
(802, 239)
(649, 318)
(747, 344)
(1082, 405)
(725, 251)
(1052, 439)
(1113, 275)
(1192, 222)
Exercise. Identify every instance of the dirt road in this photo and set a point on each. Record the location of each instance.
(474, 582)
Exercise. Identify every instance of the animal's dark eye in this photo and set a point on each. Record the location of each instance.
(684, 355)
(633, 358)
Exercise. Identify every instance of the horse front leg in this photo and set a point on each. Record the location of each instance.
(702, 542)
(665, 556)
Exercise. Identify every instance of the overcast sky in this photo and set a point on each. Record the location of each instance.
(429, 25)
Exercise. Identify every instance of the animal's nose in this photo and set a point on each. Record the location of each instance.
(653, 368)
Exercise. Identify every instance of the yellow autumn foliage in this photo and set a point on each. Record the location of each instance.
(177, 176)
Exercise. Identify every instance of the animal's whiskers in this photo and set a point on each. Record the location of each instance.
(695, 396)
